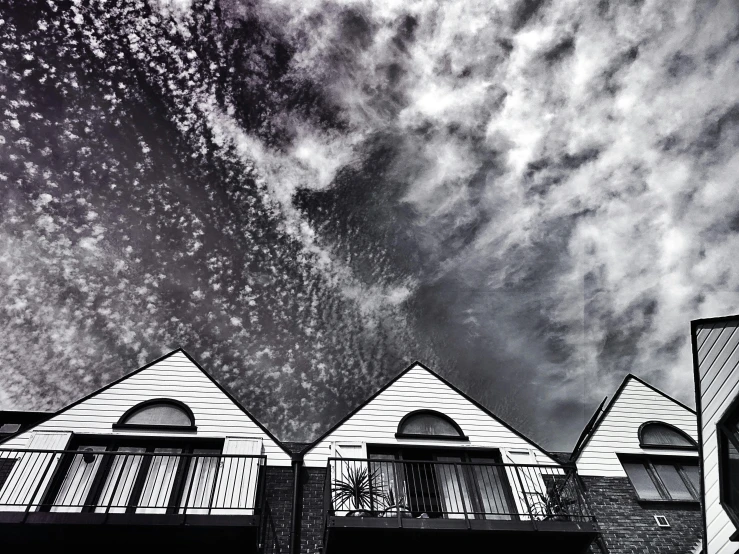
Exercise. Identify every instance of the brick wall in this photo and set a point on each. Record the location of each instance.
(628, 527)
(279, 493)
(311, 522)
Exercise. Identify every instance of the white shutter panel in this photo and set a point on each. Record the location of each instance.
(527, 484)
(236, 486)
(24, 485)
(350, 458)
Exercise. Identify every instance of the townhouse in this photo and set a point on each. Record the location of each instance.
(165, 456)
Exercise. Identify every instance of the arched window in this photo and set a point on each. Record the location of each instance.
(429, 424)
(159, 413)
(657, 434)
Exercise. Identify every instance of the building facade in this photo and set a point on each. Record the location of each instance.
(639, 463)
(715, 345)
(165, 456)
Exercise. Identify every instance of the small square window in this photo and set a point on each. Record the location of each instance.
(661, 521)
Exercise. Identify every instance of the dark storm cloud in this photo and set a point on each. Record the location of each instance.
(533, 197)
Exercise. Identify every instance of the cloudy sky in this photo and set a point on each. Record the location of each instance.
(534, 197)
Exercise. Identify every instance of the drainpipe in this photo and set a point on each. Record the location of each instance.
(297, 463)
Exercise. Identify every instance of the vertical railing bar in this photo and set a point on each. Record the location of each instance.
(38, 487)
(397, 490)
(193, 469)
(523, 492)
(215, 481)
(248, 483)
(80, 487)
(413, 476)
(461, 493)
(25, 460)
(487, 487)
(122, 459)
(437, 492)
(33, 460)
(423, 480)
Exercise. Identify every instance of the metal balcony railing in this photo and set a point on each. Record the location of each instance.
(453, 490)
(129, 480)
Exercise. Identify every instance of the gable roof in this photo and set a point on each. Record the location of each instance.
(417, 364)
(238, 404)
(582, 443)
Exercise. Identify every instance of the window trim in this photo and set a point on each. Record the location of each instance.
(679, 431)
(678, 462)
(723, 436)
(148, 427)
(440, 415)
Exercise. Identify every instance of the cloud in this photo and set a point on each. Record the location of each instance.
(535, 196)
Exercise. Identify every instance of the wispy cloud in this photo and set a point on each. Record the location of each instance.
(531, 193)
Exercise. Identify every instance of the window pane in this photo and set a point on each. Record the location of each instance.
(657, 434)
(159, 414)
(428, 424)
(730, 475)
(642, 482)
(673, 482)
(694, 476)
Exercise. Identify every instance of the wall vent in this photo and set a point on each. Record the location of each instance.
(662, 521)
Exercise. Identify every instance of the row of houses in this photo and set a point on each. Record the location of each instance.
(166, 457)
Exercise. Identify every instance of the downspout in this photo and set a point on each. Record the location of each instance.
(297, 463)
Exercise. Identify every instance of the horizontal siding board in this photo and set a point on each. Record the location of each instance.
(617, 433)
(377, 422)
(718, 379)
(173, 377)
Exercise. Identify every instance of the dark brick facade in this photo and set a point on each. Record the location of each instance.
(628, 526)
(279, 492)
(311, 521)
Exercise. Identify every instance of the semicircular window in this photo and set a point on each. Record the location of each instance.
(428, 423)
(663, 435)
(161, 412)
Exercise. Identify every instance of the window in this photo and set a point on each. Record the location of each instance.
(429, 424)
(441, 483)
(9, 427)
(727, 431)
(664, 479)
(158, 414)
(136, 475)
(657, 434)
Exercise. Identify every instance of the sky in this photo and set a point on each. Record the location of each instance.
(533, 198)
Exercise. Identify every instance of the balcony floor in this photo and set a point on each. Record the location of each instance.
(390, 536)
(70, 531)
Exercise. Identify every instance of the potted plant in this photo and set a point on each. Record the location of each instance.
(354, 489)
(392, 505)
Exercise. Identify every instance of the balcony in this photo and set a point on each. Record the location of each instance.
(390, 506)
(132, 495)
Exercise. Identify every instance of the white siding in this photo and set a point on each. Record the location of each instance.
(718, 357)
(377, 422)
(618, 432)
(173, 377)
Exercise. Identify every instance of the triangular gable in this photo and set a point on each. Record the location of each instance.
(616, 431)
(418, 387)
(175, 375)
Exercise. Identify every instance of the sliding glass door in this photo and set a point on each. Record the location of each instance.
(444, 483)
(125, 477)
